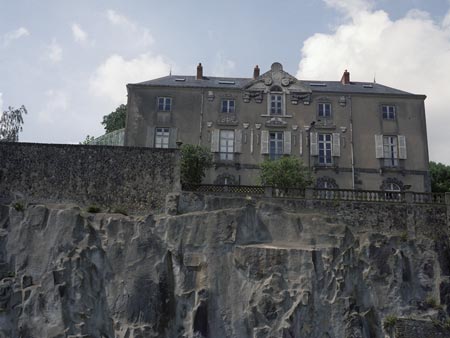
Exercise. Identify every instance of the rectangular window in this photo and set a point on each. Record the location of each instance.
(164, 103)
(228, 106)
(325, 143)
(162, 138)
(275, 144)
(227, 145)
(390, 151)
(276, 104)
(388, 112)
(324, 110)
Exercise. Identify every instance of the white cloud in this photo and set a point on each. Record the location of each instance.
(111, 77)
(54, 52)
(14, 35)
(79, 35)
(350, 7)
(141, 36)
(411, 53)
(56, 102)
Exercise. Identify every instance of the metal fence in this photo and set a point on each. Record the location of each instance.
(323, 194)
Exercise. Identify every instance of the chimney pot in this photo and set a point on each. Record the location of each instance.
(199, 72)
(345, 78)
(256, 72)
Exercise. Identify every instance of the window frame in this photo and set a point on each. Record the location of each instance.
(389, 115)
(273, 110)
(226, 107)
(161, 136)
(325, 149)
(276, 144)
(390, 151)
(224, 144)
(320, 113)
(165, 105)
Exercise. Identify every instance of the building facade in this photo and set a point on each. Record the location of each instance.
(359, 135)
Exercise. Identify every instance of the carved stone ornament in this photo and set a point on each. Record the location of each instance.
(276, 122)
(246, 125)
(228, 120)
(211, 95)
(256, 95)
(285, 81)
(268, 81)
(209, 124)
(258, 126)
(294, 127)
(296, 97)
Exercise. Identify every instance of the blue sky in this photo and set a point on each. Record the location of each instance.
(68, 61)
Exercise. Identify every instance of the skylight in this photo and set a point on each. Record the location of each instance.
(181, 79)
(226, 82)
(367, 85)
(317, 84)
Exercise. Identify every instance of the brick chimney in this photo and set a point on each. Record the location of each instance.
(199, 72)
(345, 78)
(256, 72)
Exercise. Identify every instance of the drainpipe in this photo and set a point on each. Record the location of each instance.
(351, 142)
(201, 118)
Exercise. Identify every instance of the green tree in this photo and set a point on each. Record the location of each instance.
(116, 119)
(195, 160)
(285, 172)
(440, 177)
(11, 123)
(88, 140)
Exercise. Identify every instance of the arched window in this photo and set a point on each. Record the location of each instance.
(392, 188)
(326, 183)
(225, 179)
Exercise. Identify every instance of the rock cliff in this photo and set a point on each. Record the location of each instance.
(225, 267)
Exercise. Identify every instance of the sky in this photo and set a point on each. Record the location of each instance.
(69, 62)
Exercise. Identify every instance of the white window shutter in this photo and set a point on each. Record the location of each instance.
(264, 142)
(287, 143)
(215, 135)
(300, 142)
(238, 141)
(402, 147)
(150, 137)
(336, 144)
(173, 135)
(379, 146)
(314, 148)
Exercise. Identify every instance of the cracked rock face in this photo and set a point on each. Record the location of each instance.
(218, 268)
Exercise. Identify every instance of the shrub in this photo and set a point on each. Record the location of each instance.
(93, 209)
(195, 160)
(285, 172)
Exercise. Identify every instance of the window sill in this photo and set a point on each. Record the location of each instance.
(267, 115)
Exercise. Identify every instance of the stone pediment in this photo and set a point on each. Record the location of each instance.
(276, 80)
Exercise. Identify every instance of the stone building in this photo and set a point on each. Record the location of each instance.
(359, 135)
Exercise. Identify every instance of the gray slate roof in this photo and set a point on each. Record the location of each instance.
(239, 83)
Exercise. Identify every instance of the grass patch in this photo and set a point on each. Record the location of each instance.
(389, 322)
(120, 211)
(19, 206)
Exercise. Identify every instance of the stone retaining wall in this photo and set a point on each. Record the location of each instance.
(127, 178)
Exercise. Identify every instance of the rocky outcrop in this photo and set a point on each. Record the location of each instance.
(225, 267)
